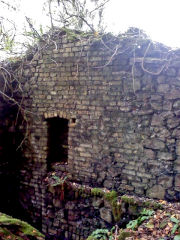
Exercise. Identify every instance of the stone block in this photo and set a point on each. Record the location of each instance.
(165, 156)
(85, 154)
(177, 181)
(97, 202)
(106, 214)
(165, 181)
(167, 105)
(176, 104)
(178, 148)
(157, 120)
(173, 122)
(171, 72)
(73, 215)
(60, 214)
(108, 184)
(57, 203)
(163, 88)
(176, 133)
(156, 105)
(149, 154)
(157, 191)
(155, 144)
(173, 94)
(70, 205)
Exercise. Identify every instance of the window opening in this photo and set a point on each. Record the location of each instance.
(57, 140)
(73, 120)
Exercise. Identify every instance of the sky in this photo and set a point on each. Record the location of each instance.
(158, 18)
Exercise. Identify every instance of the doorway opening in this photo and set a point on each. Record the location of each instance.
(58, 129)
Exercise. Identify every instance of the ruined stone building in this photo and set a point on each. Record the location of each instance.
(100, 113)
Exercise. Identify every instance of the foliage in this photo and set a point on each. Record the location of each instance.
(177, 237)
(104, 234)
(161, 224)
(60, 181)
(79, 14)
(176, 224)
(16, 38)
(144, 215)
(99, 234)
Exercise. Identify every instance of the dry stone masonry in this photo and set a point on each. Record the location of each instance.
(118, 100)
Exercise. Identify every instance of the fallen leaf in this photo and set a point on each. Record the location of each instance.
(170, 224)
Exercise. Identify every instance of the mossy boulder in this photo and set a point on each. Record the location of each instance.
(15, 229)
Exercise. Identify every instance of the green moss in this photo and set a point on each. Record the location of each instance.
(134, 202)
(123, 235)
(6, 234)
(111, 196)
(97, 192)
(74, 35)
(90, 238)
(23, 227)
(154, 205)
(127, 199)
(116, 210)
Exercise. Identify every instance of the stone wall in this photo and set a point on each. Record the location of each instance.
(76, 214)
(74, 211)
(121, 97)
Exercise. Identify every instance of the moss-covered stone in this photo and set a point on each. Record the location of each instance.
(97, 192)
(15, 229)
(127, 199)
(124, 234)
(143, 203)
(112, 198)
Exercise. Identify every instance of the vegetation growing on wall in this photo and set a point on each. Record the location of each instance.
(159, 224)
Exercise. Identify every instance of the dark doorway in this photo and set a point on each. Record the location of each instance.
(11, 161)
(57, 140)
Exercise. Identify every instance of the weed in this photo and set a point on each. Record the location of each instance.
(176, 224)
(144, 215)
(102, 234)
